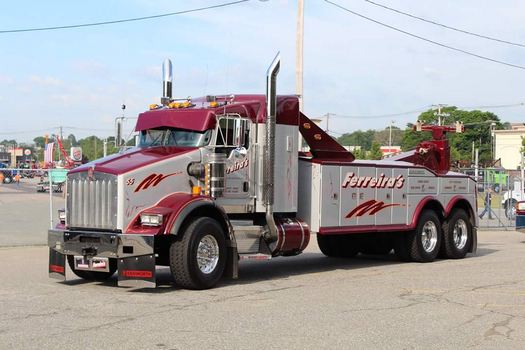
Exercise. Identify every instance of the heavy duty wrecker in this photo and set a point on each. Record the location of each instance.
(220, 179)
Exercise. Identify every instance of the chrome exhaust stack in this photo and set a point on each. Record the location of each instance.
(167, 82)
(269, 154)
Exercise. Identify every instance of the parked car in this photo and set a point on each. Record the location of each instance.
(8, 174)
(511, 198)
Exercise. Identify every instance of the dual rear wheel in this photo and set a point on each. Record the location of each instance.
(451, 239)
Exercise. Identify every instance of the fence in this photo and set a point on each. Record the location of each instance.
(28, 209)
(498, 192)
(42, 179)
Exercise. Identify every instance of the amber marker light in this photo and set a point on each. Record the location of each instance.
(196, 190)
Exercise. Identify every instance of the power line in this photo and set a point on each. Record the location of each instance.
(425, 39)
(493, 106)
(24, 132)
(422, 109)
(121, 20)
(444, 25)
(378, 116)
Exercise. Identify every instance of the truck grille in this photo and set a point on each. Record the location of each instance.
(92, 203)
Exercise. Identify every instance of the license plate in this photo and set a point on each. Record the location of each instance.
(91, 264)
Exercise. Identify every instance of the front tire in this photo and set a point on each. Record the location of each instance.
(198, 258)
(423, 244)
(92, 275)
(457, 235)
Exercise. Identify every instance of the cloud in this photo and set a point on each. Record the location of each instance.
(45, 81)
(91, 68)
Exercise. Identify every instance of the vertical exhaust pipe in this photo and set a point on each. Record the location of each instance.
(167, 82)
(269, 163)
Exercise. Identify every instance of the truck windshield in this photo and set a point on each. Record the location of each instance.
(173, 137)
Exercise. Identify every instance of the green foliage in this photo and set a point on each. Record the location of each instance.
(93, 147)
(359, 154)
(375, 152)
(477, 131)
(358, 138)
(8, 142)
(382, 137)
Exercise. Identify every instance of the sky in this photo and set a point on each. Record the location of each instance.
(79, 78)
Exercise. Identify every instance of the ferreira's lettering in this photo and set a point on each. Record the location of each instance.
(237, 166)
(153, 180)
(371, 207)
(381, 181)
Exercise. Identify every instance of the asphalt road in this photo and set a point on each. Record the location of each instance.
(24, 213)
(303, 302)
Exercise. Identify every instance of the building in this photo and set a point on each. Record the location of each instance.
(390, 150)
(507, 145)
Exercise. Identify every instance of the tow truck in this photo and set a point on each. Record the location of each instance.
(219, 179)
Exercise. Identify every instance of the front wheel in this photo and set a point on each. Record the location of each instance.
(198, 258)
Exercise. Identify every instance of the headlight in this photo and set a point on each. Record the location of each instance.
(521, 206)
(62, 216)
(151, 219)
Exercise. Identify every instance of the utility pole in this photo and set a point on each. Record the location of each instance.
(299, 61)
(105, 147)
(439, 106)
(476, 164)
(327, 115)
(492, 145)
(299, 52)
(390, 136)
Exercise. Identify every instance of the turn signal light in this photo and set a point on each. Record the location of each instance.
(196, 190)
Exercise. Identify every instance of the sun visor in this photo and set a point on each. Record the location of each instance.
(189, 119)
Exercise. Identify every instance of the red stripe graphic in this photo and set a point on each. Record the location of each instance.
(371, 207)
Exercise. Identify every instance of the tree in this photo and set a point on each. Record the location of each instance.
(39, 141)
(358, 138)
(359, 153)
(477, 131)
(72, 140)
(383, 137)
(375, 152)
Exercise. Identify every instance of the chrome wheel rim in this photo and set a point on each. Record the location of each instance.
(460, 234)
(207, 254)
(429, 236)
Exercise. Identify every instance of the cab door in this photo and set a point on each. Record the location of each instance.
(233, 139)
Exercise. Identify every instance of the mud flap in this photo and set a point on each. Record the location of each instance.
(57, 265)
(474, 247)
(137, 271)
(232, 263)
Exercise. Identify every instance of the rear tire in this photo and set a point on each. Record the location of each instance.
(198, 258)
(457, 235)
(423, 244)
(93, 275)
(338, 246)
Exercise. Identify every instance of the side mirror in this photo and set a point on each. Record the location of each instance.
(239, 131)
(238, 152)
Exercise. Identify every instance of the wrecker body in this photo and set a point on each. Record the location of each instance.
(219, 179)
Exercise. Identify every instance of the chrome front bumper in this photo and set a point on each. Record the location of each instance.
(134, 253)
